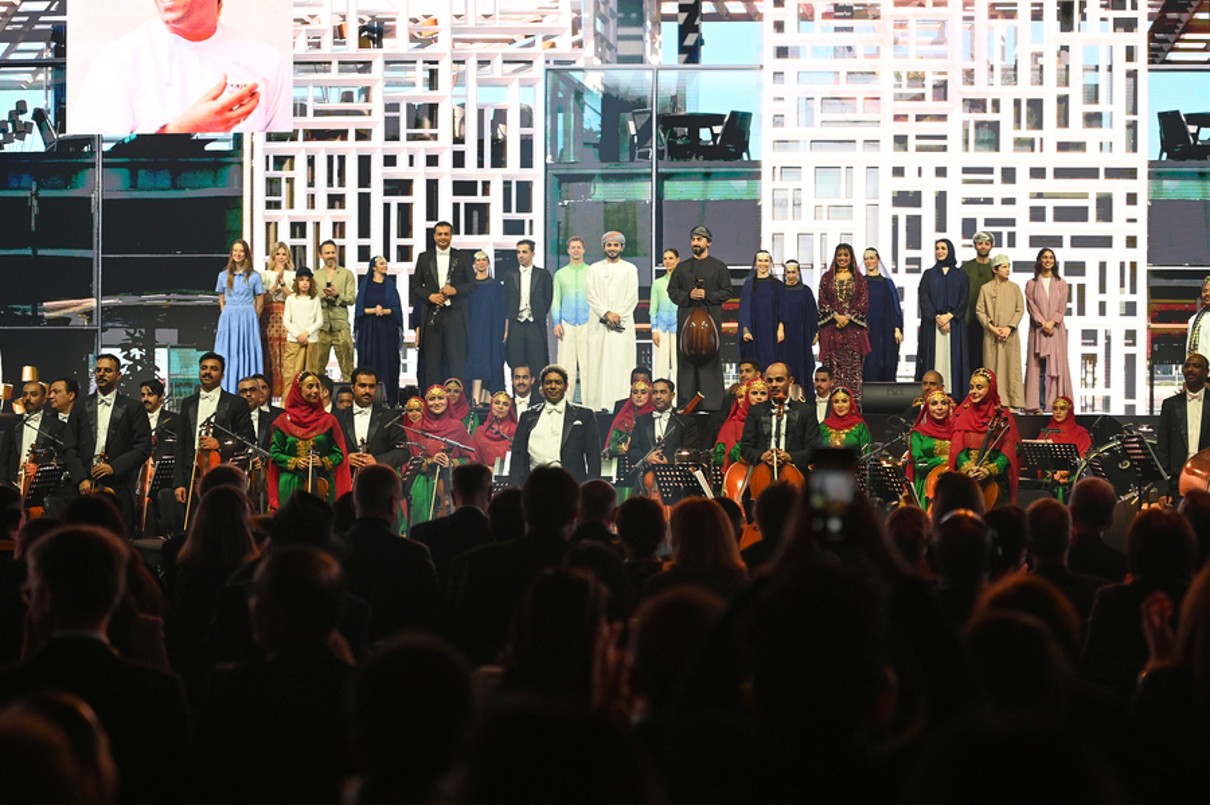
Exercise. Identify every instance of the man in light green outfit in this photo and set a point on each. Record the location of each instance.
(337, 290)
(569, 312)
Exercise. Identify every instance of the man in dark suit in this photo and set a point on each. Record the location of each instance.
(439, 288)
(120, 433)
(529, 291)
(663, 428)
(556, 433)
(164, 425)
(75, 452)
(77, 577)
(794, 425)
(229, 415)
(394, 575)
(372, 431)
(38, 428)
(1184, 428)
(467, 527)
(525, 396)
(261, 417)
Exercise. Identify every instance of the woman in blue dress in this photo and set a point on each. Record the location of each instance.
(885, 320)
(240, 296)
(485, 357)
(800, 316)
(378, 325)
(760, 327)
(944, 294)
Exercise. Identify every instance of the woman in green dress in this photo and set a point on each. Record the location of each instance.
(978, 414)
(930, 443)
(459, 405)
(433, 440)
(844, 427)
(307, 447)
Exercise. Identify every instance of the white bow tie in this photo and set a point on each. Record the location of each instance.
(661, 415)
(210, 396)
(359, 411)
(554, 409)
(105, 400)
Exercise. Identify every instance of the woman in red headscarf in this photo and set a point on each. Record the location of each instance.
(494, 438)
(930, 444)
(617, 441)
(459, 405)
(440, 438)
(1062, 429)
(1000, 466)
(726, 448)
(844, 425)
(307, 447)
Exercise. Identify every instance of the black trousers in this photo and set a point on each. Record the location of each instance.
(708, 379)
(443, 348)
(527, 344)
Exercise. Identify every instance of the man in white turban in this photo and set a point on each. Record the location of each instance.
(613, 294)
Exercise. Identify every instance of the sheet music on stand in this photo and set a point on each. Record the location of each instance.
(162, 479)
(47, 479)
(679, 481)
(414, 467)
(883, 480)
(1143, 456)
(1041, 455)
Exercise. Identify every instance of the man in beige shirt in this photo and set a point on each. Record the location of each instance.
(337, 290)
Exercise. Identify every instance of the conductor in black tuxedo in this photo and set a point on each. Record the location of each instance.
(1181, 415)
(663, 428)
(793, 424)
(529, 290)
(439, 288)
(557, 432)
(120, 433)
(229, 414)
(39, 427)
(372, 431)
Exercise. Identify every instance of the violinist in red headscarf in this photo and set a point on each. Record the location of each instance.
(930, 444)
(986, 442)
(307, 447)
(494, 438)
(438, 438)
(1062, 429)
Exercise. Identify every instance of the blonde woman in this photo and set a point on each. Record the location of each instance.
(278, 280)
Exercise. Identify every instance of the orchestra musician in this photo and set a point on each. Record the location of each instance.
(844, 425)
(557, 432)
(1062, 429)
(990, 458)
(372, 432)
(791, 428)
(35, 429)
(662, 431)
(494, 438)
(164, 425)
(307, 449)
(120, 435)
(930, 443)
(220, 409)
(1184, 429)
(431, 489)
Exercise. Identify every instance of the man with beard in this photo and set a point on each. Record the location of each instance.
(120, 435)
(699, 281)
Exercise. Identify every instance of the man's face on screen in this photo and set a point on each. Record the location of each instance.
(190, 19)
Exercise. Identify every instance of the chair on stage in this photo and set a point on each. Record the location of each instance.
(1175, 140)
(733, 140)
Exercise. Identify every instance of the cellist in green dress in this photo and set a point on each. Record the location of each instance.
(981, 412)
(843, 426)
(306, 448)
(930, 444)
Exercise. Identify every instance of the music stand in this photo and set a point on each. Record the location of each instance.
(47, 479)
(162, 479)
(1044, 456)
(1141, 454)
(414, 467)
(673, 482)
(885, 481)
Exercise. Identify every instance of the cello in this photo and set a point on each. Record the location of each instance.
(744, 478)
(996, 428)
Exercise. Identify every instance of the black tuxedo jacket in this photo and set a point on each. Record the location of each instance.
(424, 281)
(385, 432)
(802, 432)
(264, 424)
(231, 414)
(1172, 435)
(541, 293)
(535, 401)
(128, 441)
(76, 435)
(679, 433)
(50, 426)
(581, 449)
(163, 438)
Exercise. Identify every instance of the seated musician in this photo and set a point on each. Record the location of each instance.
(431, 439)
(1062, 429)
(371, 430)
(747, 396)
(617, 442)
(844, 425)
(781, 429)
(494, 438)
(460, 406)
(659, 433)
(930, 444)
(991, 459)
(307, 447)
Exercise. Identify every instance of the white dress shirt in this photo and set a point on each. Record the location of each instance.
(524, 313)
(207, 404)
(29, 435)
(104, 414)
(523, 404)
(153, 418)
(443, 271)
(821, 408)
(546, 440)
(661, 423)
(777, 437)
(1193, 418)
(361, 426)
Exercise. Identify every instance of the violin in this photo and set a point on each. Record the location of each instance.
(441, 504)
(361, 448)
(25, 478)
(97, 484)
(996, 428)
(204, 460)
(316, 486)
